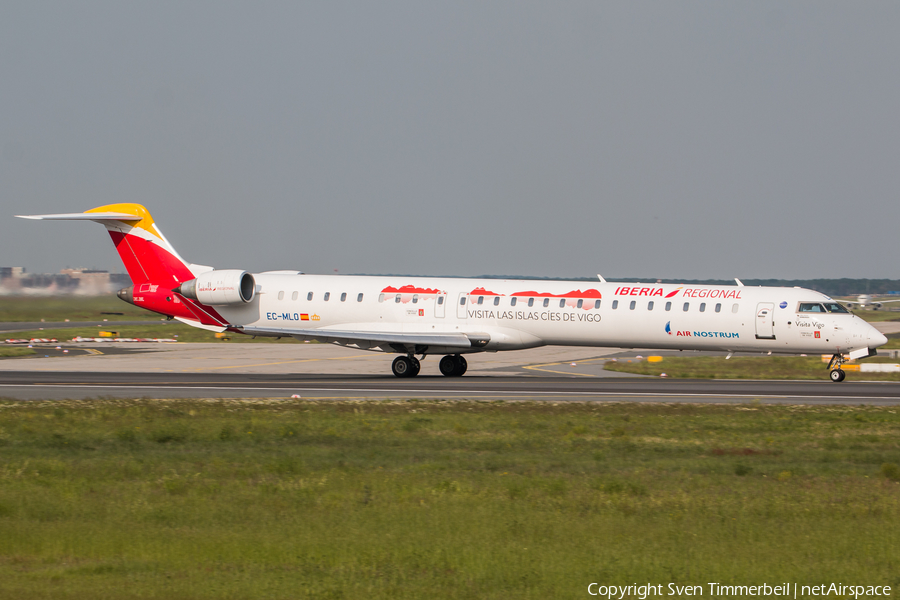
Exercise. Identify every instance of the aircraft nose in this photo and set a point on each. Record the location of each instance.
(876, 338)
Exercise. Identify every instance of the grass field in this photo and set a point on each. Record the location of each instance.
(744, 367)
(74, 308)
(294, 499)
(876, 316)
(7, 352)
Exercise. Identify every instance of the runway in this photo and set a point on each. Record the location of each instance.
(61, 385)
(324, 372)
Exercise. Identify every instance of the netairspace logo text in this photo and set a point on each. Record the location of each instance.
(719, 590)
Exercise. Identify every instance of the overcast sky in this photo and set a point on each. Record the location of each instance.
(661, 139)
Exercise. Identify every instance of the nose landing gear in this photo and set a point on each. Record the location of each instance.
(406, 366)
(837, 374)
(453, 365)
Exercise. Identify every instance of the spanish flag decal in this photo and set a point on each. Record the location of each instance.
(304, 317)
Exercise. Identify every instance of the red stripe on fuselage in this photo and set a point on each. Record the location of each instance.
(592, 293)
(409, 289)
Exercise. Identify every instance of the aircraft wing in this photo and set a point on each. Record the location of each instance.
(376, 338)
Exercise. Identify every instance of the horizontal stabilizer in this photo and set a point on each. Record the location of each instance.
(98, 216)
(200, 325)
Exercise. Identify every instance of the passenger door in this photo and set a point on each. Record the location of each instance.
(461, 306)
(765, 325)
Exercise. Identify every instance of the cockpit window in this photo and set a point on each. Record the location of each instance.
(834, 307)
(811, 307)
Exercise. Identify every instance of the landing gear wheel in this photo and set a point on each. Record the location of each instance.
(447, 366)
(404, 367)
(417, 366)
(837, 375)
(453, 365)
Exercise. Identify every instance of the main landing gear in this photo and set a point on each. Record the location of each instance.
(837, 373)
(406, 366)
(452, 365)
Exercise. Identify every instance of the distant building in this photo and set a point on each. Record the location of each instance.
(11, 272)
(83, 282)
(89, 282)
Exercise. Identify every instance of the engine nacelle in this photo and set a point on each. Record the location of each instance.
(228, 286)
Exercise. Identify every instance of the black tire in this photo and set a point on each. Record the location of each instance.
(837, 375)
(448, 366)
(402, 367)
(843, 374)
(462, 365)
(417, 366)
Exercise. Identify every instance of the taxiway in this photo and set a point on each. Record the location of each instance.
(314, 371)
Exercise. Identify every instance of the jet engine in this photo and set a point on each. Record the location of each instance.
(228, 286)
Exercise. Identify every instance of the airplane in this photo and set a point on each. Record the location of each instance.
(865, 300)
(454, 317)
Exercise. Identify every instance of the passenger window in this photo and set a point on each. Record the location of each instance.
(650, 305)
(397, 299)
(359, 298)
(632, 305)
(703, 307)
(531, 302)
(668, 306)
(281, 295)
(415, 298)
(440, 300)
(580, 303)
(512, 301)
(687, 305)
(546, 302)
(381, 297)
(562, 303)
(462, 301)
(596, 304)
(294, 295)
(615, 304)
(480, 300)
(343, 296)
(309, 297)
(734, 308)
(496, 300)
(327, 296)
(719, 307)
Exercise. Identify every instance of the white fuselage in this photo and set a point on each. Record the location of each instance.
(518, 314)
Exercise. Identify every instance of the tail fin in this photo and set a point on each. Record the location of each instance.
(146, 253)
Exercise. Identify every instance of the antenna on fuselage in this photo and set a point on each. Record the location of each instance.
(600, 277)
(738, 281)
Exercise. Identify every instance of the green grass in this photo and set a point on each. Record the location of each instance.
(877, 316)
(893, 341)
(74, 308)
(13, 351)
(755, 367)
(293, 499)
